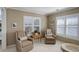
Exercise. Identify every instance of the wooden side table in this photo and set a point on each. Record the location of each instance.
(36, 36)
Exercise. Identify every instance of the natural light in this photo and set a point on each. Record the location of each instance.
(68, 26)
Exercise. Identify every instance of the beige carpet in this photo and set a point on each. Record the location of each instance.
(40, 47)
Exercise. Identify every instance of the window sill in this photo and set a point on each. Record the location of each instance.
(68, 37)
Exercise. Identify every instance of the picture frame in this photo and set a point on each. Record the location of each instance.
(14, 25)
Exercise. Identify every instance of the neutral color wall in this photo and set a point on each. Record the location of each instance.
(52, 20)
(15, 16)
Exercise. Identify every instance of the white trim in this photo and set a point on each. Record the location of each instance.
(78, 25)
(65, 28)
(24, 23)
(4, 29)
(13, 45)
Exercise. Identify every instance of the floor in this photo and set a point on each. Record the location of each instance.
(47, 47)
(0, 44)
(39, 47)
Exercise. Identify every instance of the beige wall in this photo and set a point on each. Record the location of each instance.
(15, 16)
(52, 20)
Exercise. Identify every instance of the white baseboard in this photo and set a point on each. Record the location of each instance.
(13, 45)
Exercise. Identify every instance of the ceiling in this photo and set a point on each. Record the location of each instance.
(41, 10)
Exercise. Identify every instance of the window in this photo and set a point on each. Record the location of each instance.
(60, 25)
(72, 26)
(68, 26)
(0, 13)
(28, 22)
(32, 24)
(0, 21)
(37, 24)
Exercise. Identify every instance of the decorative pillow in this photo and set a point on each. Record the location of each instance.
(23, 38)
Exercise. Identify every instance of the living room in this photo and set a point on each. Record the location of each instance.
(45, 26)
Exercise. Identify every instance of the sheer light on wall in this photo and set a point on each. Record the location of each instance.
(0, 14)
(68, 26)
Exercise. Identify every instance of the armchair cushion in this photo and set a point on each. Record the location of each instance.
(26, 43)
(23, 38)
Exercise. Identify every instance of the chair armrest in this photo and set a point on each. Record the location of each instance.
(54, 36)
(30, 39)
(18, 44)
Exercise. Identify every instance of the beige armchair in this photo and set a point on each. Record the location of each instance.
(23, 43)
(50, 37)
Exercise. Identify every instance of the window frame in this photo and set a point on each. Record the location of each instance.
(59, 25)
(77, 15)
(32, 25)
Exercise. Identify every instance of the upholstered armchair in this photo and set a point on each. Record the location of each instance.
(23, 43)
(49, 33)
(50, 37)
